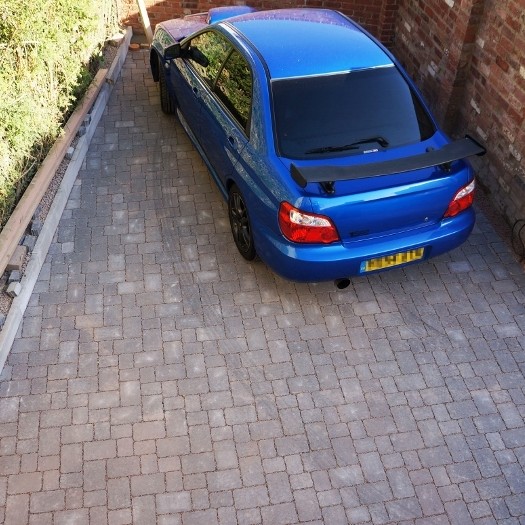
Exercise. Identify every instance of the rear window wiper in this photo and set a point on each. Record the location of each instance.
(354, 145)
(329, 149)
(380, 140)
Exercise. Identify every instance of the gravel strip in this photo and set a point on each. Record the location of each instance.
(110, 52)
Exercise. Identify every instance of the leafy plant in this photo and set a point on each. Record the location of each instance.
(46, 47)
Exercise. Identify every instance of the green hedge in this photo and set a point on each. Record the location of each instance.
(47, 50)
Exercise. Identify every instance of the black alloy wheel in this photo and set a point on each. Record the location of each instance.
(240, 224)
(167, 104)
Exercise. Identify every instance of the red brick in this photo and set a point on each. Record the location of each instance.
(502, 64)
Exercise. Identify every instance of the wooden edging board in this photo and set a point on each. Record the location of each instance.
(15, 227)
(44, 239)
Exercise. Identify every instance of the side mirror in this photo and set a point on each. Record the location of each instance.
(198, 56)
(172, 51)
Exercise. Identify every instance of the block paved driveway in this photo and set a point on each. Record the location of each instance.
(158, 378)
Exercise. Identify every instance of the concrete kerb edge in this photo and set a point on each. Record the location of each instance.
(39, 253)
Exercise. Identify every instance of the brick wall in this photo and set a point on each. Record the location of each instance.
(468, 57)
(494, 103)
(377, 16)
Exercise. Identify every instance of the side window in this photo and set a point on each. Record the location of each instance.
(207, 52)
(234, 87)
(163, 37)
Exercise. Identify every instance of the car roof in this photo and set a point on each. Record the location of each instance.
(306, 41)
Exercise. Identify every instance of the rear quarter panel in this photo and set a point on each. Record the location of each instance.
(261, 176)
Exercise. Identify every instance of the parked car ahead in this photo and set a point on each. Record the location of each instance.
(330, 161)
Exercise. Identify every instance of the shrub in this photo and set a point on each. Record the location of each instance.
(46, 47)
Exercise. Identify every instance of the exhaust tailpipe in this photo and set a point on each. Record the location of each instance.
(343, 283)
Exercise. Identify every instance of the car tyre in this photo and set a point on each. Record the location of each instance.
(240, 224)
(167, 104)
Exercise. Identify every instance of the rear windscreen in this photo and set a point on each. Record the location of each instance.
(333, 111)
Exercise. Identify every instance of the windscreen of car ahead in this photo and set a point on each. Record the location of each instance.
(341, 114)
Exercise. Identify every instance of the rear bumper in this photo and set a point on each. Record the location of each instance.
(313, 263)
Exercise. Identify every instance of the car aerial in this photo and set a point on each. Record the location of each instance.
(331, 163)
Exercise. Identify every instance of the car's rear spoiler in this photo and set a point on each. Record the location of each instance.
(327, 175)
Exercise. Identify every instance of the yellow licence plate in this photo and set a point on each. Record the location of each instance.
(392, 260)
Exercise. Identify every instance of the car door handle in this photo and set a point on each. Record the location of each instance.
(195, 90)
(231, 140)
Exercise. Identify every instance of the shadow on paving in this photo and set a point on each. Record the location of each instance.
(159, 378)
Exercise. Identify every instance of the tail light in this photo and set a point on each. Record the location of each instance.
(298, 226)
(462, 200)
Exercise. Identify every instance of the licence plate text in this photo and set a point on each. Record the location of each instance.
(395, 259)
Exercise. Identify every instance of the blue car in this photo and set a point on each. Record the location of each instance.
(329, 159)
